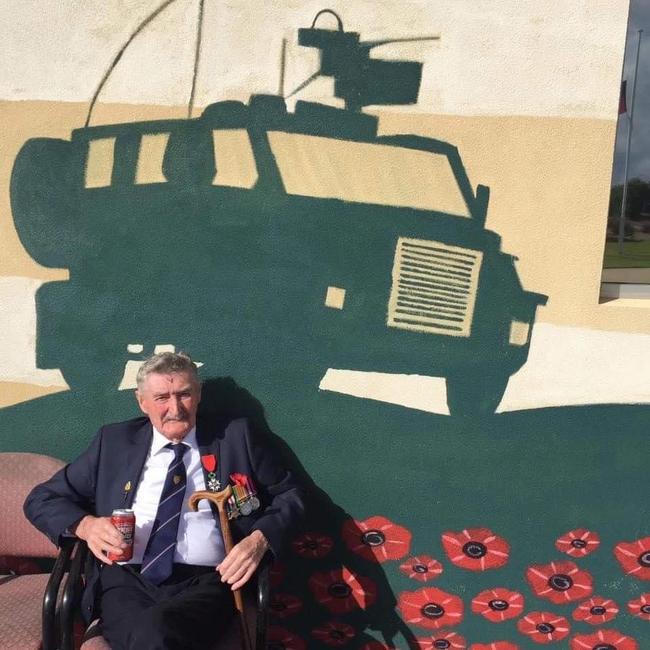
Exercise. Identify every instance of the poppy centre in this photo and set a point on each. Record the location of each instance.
(475, 550)
(578, 543)
(560, 582)
(339, 590)
(498, 605)
(644, 559)
(598, 610)
(645, 609)
(433, 610)
(546, 628)
(441, 644)
(604, 646)
(420, 568)
(373, 538)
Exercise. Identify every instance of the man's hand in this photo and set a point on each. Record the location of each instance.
(101, 536)
(240, 564)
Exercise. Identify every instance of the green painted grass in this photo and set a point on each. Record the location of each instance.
(636, 254)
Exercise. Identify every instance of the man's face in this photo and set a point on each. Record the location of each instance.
(170, 401)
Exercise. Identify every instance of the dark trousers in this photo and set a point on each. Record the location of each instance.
(189, 610)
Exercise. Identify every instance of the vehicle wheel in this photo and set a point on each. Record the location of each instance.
(475, 392)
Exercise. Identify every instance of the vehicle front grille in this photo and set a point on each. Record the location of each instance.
(434, 287)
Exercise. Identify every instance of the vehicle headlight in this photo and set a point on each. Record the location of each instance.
(519, 332)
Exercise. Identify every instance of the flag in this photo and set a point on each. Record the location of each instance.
(622, 100)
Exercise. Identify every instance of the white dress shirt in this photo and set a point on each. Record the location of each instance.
(199, 539)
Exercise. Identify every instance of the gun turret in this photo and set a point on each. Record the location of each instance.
(359, 80)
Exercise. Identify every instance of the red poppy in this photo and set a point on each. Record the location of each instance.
(431, 608)
(334, 633)
(578, 542)
(634, 557)
(377, 539)
(544, 627)
(279, 638)
(640, 607)
(312, 545)
(342, 591)
(443, 640)
(476, 549)
(284, 605)
(495, 645)
(498, 604)
(421, 568)
(559, 582)
(603, 640)
(596, 611)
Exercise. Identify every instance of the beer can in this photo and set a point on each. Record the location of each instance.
(124, 521)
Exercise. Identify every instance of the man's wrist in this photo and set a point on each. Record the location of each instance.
(260, 538)
(78, 527)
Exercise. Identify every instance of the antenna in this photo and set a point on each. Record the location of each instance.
(153, 15)
(283, 67)
(197, 54)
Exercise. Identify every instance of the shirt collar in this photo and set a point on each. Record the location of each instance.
(159, 440)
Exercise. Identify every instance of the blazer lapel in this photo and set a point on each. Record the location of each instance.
(140, 445)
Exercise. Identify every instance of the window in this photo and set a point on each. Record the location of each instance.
(626, 264)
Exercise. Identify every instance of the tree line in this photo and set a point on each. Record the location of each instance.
(637, 203)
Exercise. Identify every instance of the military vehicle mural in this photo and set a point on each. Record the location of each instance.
(275, 244)
(249, 213)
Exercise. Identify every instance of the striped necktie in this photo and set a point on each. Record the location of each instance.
(158, 560)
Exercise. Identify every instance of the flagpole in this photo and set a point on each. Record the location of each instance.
(621, 223)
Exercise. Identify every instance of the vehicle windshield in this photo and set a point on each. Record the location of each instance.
(364, 172)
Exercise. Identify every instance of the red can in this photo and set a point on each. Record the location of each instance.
(124, 521)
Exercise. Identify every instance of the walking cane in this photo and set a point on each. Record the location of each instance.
(220, 499)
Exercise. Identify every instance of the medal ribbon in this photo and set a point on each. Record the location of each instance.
(209, 463)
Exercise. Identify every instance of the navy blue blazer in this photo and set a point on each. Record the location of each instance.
(105, 477)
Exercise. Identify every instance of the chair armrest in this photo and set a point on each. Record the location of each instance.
(263, 598)
(49, 631)
(72, 596)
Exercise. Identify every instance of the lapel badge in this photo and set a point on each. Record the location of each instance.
(176, 479)
(127, 489)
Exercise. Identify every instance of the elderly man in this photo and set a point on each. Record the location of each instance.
(175, 593)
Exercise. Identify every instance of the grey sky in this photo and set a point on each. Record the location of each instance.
(640, 148)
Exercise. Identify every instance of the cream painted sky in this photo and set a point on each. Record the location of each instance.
(495, 57)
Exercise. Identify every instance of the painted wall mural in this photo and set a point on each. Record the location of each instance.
(381, 254)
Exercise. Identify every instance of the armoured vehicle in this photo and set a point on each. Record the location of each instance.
(257, 237)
